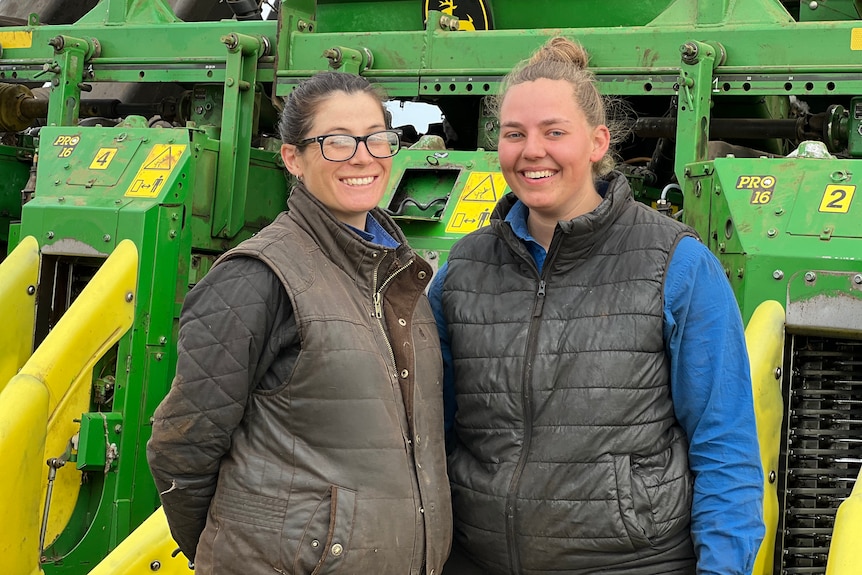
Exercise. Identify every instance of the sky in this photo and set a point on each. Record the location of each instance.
(416, 113)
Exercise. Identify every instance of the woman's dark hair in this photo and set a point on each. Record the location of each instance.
(301, 105)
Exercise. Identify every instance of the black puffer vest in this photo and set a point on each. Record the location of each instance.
(342, 468)
(569, 457)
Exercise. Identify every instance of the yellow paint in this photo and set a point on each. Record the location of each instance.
(856, 39)
(764, 338)
(23, 420)
(37, 408)
(155, 171)
(103, 158)
(18, 272)
(16, 39)
(476, 202)
(837, 198)
(845, 551)
(150, 542)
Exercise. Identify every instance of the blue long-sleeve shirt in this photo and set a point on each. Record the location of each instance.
(712, 396)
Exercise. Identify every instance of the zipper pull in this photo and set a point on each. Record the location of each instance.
(540, 299)
(378, 309)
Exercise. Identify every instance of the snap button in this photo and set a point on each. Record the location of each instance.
(374, 255)
(421, 510)
(315, 543)
(402, 322)
(337, 549)
(422, 275)
(404, 373)
(431, 572)
(417, 440)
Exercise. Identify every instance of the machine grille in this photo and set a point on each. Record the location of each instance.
(822, 446)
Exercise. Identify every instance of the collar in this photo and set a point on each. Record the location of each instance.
(360, 258)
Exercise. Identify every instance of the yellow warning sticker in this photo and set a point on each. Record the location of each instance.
(16, 39)
(856, 38)
(837, 198)
(155, 171)
(476, 202)
(103, 158)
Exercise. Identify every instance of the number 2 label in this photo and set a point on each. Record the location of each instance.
(837, 198)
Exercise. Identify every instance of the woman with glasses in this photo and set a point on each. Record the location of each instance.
(303, 432)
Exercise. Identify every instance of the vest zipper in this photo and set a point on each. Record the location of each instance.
(527, 401)
(540, 299)
(377, 300)
(378, 314)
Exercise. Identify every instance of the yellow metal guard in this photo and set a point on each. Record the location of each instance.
(764, 337)
(18, 276)
(845, 551)
(149, 545)
(48, 385)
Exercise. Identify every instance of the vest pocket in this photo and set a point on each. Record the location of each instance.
(655, 493)
(326, 538)
(634, 503)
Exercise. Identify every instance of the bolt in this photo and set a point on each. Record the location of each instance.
(163, 340)
(50, 235)
(57, 182)
(302, 26)
(31, 290)
(118, 428)
(771, 232)
(772, 477)
(106, 238)
(813, 5)
(229, 82)
(857, 279)
(159, 357)
(130, 296)
(689, 52)
(777, 373)
(778, 274)
(810, 276)
(61, 199)
(173, 233)
(155, 566)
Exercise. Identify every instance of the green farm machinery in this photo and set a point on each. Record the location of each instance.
(137, 145)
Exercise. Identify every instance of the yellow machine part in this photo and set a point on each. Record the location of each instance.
(39, 404)
(18, 276)
(149, 546)
(764, 337)
(845, 551)
(23, 426)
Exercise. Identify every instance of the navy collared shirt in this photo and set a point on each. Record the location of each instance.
(375, 233)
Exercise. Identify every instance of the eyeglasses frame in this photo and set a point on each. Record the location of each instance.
(358, 139)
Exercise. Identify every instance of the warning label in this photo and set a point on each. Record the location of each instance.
(155, 170)
(476, 202)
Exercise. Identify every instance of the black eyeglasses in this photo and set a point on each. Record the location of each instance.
(342, 147)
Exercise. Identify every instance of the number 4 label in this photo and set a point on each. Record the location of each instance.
(103, 158)
(837, 198)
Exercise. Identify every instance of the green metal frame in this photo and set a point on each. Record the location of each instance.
(227, 181)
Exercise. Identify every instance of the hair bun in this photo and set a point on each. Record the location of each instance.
(560, 49)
